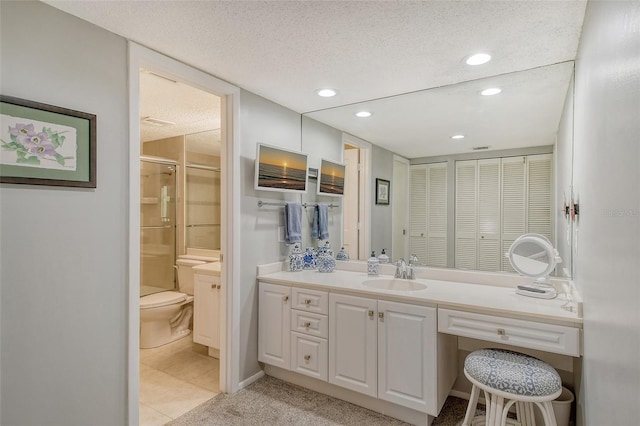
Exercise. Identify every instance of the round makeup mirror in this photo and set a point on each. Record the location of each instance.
(533, 255)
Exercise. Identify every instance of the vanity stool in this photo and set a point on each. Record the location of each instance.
(509, 378)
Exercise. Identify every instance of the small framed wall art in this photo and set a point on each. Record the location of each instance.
(279, 169)
(383, 188)
(43, 144)
(331, 181)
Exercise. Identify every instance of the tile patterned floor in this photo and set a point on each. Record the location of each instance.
(174, 379)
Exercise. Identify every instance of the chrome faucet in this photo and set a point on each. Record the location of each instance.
(404, 271)
(401, 269)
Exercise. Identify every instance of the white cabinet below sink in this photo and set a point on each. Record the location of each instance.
(382, 349)
(206, 310)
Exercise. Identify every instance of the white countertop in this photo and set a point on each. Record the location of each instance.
(473, 297)
(212, 268)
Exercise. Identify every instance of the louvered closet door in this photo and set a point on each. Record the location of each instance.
(489, 248)
(540, 190)
(436, 215)
(418, 212)
(466, 224)
(514, 217)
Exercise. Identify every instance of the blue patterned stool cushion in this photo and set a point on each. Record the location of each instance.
(512, 372)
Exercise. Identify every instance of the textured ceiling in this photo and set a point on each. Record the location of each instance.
(285, 50)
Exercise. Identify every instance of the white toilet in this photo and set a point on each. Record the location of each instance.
(165, 317)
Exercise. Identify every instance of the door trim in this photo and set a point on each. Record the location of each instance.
(364, 243)
(141, 57)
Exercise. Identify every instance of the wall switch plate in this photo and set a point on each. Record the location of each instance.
(281, 234)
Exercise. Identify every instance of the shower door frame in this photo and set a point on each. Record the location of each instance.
(166, 161)
(142, 57)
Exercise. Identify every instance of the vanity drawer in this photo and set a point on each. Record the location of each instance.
(310, 300)
(509, 331)
(310, 323)
(310, 356)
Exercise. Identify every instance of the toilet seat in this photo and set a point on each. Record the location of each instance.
(163, 298)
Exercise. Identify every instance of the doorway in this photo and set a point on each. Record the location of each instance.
(173, 71)
(180, 128)
(357, 197)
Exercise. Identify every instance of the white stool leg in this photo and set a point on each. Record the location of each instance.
(547, 413)
(471, 408)
(505, 412)
(525, 413)
(494, 409)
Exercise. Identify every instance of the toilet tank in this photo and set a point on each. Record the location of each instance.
(185, 273)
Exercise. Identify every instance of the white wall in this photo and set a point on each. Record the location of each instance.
(381, 228)
(64, 251)
(607, 183)
(321, 142)
(261, 121)
(563, 170)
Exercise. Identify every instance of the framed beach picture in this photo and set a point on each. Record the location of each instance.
(43, 144)
(331, 178)
(382, 191)
(279, 169)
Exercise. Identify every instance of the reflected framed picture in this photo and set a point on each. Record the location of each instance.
(43, 144)
(280, 170)
(331, 178)
(383, 189)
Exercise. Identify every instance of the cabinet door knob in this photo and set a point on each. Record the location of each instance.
(285, 298)
(307, 357)
(307, 301)
(307, 324)
(502, 332)
(381, 315)
(370, 314)
(213, 286)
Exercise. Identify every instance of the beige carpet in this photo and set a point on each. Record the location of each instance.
(270, 401)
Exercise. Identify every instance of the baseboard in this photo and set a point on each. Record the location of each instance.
(460, 394)
(243, 384)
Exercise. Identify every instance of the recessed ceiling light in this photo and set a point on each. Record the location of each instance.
(491, 91)
(478, 59)
(457, 137)
(326, 93)
(363, 114)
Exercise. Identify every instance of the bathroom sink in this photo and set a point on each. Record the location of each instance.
(395, 284)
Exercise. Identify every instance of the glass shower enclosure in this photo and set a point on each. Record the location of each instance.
(157, 225)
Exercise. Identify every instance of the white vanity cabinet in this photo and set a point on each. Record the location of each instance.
(274, 319)
(407, 355)
(309, 332)
(384, 349)
(206, 310)
(353, 346)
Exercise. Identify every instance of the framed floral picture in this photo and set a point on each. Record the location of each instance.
(43, 144)
(382, 191)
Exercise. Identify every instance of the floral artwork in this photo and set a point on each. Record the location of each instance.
(32, 143)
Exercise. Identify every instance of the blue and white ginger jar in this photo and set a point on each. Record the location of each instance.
(296, 259)
(325, 262)
(342, 255)
(310, 258)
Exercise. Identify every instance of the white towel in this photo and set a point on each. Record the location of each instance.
(292, 223)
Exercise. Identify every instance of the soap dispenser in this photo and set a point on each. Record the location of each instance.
(373, 264)
(383, 258)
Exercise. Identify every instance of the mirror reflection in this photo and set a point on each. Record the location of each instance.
(456, 203)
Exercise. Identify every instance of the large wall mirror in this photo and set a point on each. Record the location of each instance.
(460, 202)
